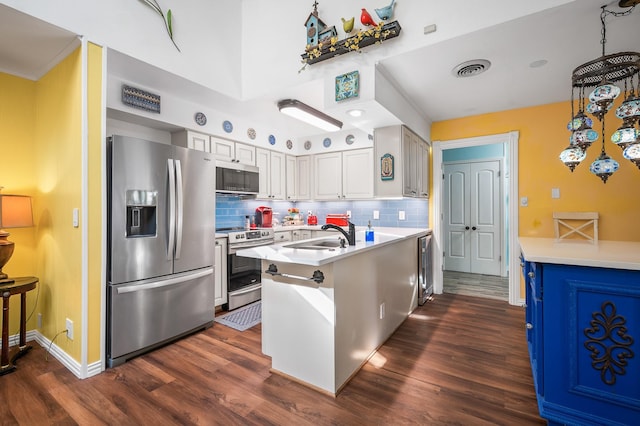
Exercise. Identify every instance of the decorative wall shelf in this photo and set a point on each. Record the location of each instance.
(331, 48)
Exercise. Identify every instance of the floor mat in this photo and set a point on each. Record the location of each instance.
(242, 318)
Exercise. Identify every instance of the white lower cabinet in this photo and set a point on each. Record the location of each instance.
(300, 234)
(344, 175)
(221, 271)
(281, 236)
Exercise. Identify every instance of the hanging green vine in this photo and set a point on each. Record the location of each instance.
(166, 19)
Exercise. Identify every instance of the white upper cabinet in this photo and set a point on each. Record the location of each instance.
(272, 181)
(234, 152)
(192, 140)
(304, 177)
(344, 175)
(410, 153)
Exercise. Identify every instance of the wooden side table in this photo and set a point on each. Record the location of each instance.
(21, 286)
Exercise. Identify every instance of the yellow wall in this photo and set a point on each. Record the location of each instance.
(17, 175)
(543, 135)
(57, 159)
(95, 162)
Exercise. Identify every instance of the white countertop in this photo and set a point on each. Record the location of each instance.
(604, 254)
(286, 228)
(282, 253)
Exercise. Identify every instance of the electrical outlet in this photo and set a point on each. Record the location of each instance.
(376, 214)
(382, 310)
(401, 215)
(39, 320)
(69, 329)
(75, 218)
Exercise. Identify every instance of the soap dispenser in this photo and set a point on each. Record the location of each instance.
(368, 234)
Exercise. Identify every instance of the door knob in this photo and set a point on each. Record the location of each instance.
(473, 228)
(466, 227)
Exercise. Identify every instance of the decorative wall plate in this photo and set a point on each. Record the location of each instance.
(227, 126)
(200, 118)
(350, 139)
(307, 145)
(289, 144)
(272, 139)
(347, 86)
(326, 142)
(251, 133)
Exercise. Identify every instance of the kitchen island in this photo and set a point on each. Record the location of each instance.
(583, 329)
(325, 311)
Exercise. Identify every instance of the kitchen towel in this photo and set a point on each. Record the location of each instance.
(242, 318)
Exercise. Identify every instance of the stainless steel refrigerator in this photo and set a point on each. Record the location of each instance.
(160, 262)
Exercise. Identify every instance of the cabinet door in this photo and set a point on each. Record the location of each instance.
(328, 176)
(410, 155)
(223, 149)
(277, 181)
(198, 141)
(263, 163)
(357, 174)
(282, 236)
(221, 271)
(423, 169)
(290, 179)
(303, 177)
(245, 154)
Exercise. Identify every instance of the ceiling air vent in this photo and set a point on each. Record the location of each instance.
(471, 68)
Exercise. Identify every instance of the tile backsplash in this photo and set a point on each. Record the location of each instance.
(231, 211)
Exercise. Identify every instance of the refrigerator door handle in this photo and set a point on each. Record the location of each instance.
(172, 209)
(132, 288)
(179, 203)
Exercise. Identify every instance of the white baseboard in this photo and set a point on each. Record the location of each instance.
(71, 364)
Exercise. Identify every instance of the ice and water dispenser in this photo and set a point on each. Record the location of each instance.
(141, 213)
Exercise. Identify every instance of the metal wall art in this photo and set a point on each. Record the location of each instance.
(138, 98)
(609, 343)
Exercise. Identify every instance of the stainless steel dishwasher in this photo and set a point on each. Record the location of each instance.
(425, 269)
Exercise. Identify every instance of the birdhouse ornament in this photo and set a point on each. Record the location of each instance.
(317, 31)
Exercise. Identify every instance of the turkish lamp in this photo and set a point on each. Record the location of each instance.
(625, 135)
(572, 156)
(632, 153)
(604, 166)
(580, 122)
(583, 138)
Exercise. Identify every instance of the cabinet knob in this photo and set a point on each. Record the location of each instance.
(531, 274)
(529, 326)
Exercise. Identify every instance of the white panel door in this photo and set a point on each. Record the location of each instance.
(472, 219)
(457, 217)
(486, 225)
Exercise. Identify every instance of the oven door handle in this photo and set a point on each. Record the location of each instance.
(250, 289)
(233, 249)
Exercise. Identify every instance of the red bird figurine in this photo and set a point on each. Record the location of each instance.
(366, 19)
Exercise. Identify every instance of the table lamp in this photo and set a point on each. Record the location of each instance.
(15, 212)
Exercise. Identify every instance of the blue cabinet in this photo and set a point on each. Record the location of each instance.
(583, 332)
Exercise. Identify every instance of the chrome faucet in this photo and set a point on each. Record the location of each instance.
(351, 236)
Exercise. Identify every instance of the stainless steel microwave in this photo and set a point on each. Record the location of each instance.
(236, 178)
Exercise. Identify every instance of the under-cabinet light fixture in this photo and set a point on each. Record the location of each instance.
(304, 112)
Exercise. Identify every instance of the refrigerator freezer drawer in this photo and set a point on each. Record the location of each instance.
(144, 316)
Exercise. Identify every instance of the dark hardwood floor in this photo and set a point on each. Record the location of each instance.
(458, 360)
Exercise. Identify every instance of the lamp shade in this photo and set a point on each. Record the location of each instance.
(15, 211)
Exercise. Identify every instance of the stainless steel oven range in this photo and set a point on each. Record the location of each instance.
(243, 273)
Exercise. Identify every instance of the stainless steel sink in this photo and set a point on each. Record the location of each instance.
(315, 245)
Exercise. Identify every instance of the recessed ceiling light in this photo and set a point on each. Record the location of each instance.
(539, 63)
(355, 112)
(471, 68)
